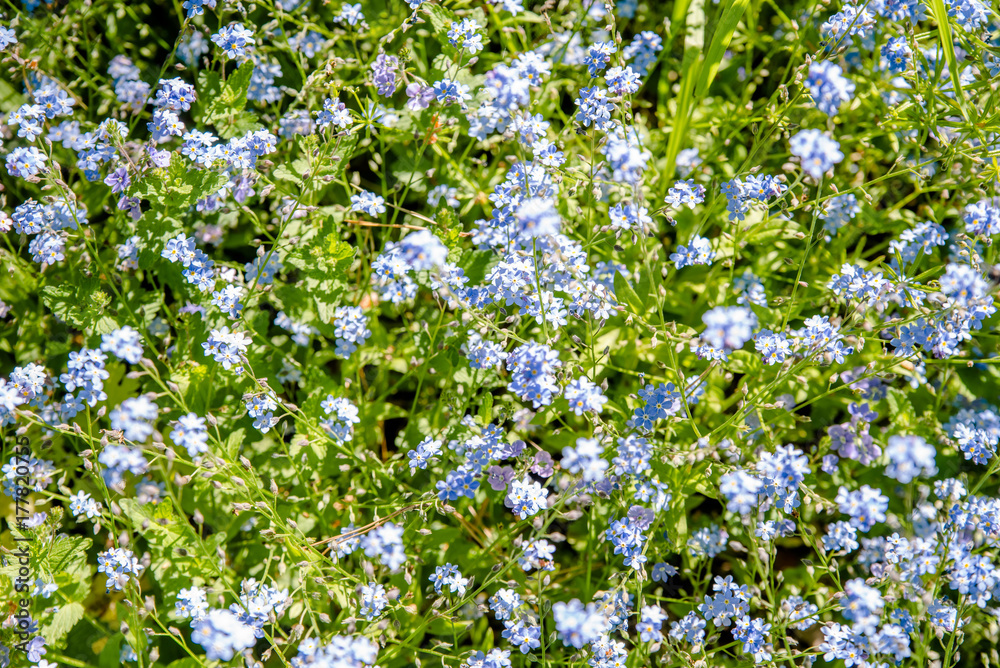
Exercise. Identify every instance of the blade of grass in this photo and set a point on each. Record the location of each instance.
(724, 31)
(680, 10)
(694, 42)
(948, 46)
(683, 110)
(697, 74)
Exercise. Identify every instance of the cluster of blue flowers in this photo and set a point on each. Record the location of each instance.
(655, 356)
(120, 566)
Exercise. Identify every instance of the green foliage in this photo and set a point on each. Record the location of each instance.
(267, 503)
(81, 305)
(177, 187)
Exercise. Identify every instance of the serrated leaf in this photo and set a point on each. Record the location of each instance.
(105, 325)
(239, 125)
(77, 305)
(232, 98)
(237, 85)
(449, 227)
(338, 250)
(63, 622)
(324, 309)
(178, 554)
(283, 173)
(67, 552)
(179, 187)
(440, 17)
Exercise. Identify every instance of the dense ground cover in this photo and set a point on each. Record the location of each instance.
(499, 333)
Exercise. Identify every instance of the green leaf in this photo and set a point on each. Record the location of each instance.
(237, 85)
(900, 408)
(209, 85)
(239, 125)
(178, 187)
(625, 292)
(545, 416)
(234, 441)
(486, 408)
(283, 173)
(449, 226)
(178, 554)
(944, 33)
(67, 553)
(194, 385)
(744, 362)
(447, 627)
(325, 309)
(697, 74)
(642, 289)
(337, 250)
(63, 622)
(111, 654)
(186, 662)
(105, 325)
(10, 99)
(680, 10)
(322, 171)
(685, 107)
(724, 31)
(440, 17)
(61, 300)
(78, 305)
(233, 96)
